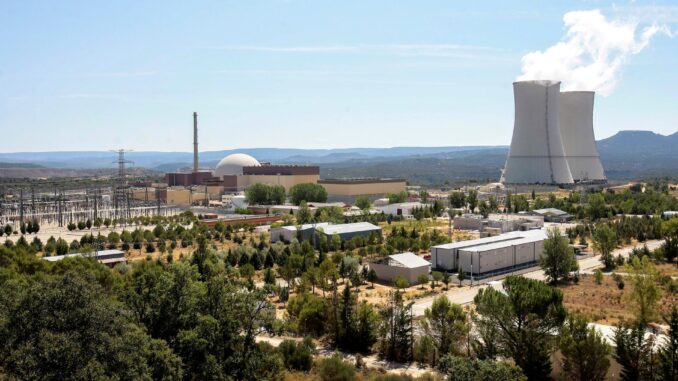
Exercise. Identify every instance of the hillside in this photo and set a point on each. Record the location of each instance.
(628, 154)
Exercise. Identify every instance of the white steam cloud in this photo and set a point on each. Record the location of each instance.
(591, 54)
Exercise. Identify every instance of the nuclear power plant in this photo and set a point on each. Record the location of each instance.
(576, 126)
(553, 141)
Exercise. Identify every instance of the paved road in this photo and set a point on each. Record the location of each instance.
(465, 295)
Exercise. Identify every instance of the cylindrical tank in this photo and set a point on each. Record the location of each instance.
(536, 154)
(576, 127)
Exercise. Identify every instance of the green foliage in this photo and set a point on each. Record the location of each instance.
(395, 331)
(308, 192)
(670, 232)
(264, 194)
(598, 275)
(335, 369)
(363, 202)
(558, 260)
(633, 352)
(524, 319)
(458, 368)
(604, 242)
(304, 215)
(297, 356)
(447, 325)
(457, 199)
(62, 329)
(395, 198)
(400, 282)
(646, 293)
(306, 314)
(668, 353)
(585, 352)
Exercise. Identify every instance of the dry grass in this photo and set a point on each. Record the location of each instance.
(606, 303)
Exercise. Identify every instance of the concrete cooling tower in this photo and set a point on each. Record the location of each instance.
(576, 128)
(536, 155)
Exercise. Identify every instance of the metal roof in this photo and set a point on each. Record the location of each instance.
(409, 260)
(553, 211)
(350, 228)
(503, 238)
(504, 244)
(99, 255)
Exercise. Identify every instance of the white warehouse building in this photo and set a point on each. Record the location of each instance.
(490, 255)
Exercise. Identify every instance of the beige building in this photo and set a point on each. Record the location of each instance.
(362, 187)
(287, 181)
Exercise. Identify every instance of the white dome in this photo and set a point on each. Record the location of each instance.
(232, 164)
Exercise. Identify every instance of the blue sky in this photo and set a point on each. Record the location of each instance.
(91, 75)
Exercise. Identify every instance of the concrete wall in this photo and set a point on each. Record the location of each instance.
(388, 273)
(360, 188)
(286, 181)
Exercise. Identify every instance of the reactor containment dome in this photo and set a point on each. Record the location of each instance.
(233, 165)
(576, 127)
(537, 154)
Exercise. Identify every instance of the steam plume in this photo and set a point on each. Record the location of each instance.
(592, 52)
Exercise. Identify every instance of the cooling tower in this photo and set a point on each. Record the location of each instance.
(576, 128)
(536, 155)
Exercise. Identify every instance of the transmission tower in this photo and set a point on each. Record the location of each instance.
(121, 193)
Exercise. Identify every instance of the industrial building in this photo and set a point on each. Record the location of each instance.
(344, 231)
(553, 140)
(490, 255)
(348, 189)
(503, 223)
(553, 215)
(407, 265)
(536, 155)
(106, 257)
(403, 209)
(290, 232)
(576, 127)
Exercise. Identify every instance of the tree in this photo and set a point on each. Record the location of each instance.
(306, 314)
(422, 279)
(457, 199)
(446, 280)
(372, 276)
(459, 368)
(597, 208)
(645, 293)
(297, 356)
(558, 259)
(399, 282)
(670, 233)
(62, 328)
(633, 352)
(668, 353)
(472, 199)
(308, 192)
(447, 324)
(437, 277)
(304, 215)
(461, 275)
(604, 241)
(395, 331)
(395, 198)
(524, 317)
(263, 194)
(8, 230)
(363, 202)
(585, 351)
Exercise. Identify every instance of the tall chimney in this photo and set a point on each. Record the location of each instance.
(195, 142)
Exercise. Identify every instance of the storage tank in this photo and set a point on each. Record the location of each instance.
(576, 128)
(536, 155)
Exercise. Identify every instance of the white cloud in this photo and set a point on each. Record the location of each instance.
(592, 53)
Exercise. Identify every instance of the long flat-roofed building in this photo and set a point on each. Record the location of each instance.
(489, 255)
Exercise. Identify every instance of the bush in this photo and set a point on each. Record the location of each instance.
(599, 276)
(307, 192)
(335, 369)
(297, 356)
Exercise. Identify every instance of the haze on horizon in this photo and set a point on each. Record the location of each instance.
(297, 74)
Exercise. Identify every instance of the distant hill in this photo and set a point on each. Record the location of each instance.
(625, 155)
